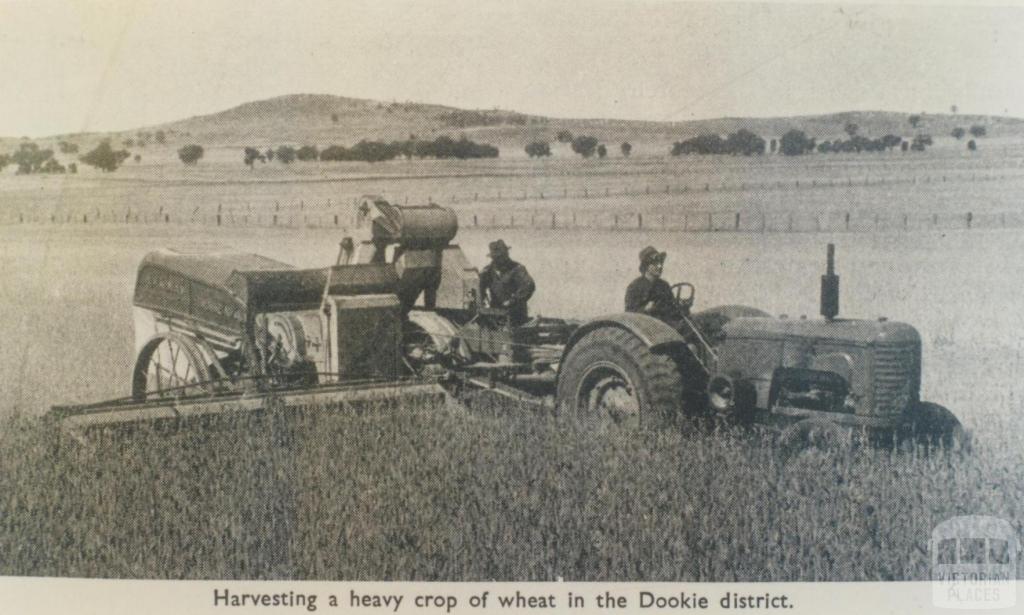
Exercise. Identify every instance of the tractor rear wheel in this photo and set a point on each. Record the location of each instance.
(610, 377)
(169, 365)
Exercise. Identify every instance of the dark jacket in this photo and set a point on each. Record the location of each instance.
(641, 291)
(509, 287)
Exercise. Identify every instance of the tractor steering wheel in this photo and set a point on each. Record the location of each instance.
(683, 292)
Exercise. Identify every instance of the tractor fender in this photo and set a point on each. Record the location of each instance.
(655, 334)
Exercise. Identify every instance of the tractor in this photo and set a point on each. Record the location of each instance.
(401, 315)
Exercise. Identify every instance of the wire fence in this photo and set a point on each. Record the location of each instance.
(563, 212)
(677, 221)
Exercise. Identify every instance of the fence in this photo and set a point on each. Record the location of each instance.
(663, 216)
(709, 186)
(675, 221)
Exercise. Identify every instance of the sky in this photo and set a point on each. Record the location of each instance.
(101, 65)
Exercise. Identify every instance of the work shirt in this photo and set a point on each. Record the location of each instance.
(509, 287)
(641, 291)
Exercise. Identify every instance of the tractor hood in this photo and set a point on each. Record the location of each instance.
(856, 332)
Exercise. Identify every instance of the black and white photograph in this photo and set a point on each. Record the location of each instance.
(628, 306)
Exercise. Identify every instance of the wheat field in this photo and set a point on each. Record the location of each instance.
(497, 491)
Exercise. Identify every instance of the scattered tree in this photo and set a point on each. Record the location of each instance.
(851, 129)
(334, 118)
(72, 167)
(286, 154)
(138, 158)
(538, 149)
(269, 154)
(904, 146)
(795, 142)
(977, 131)
(602, 151)
(773, 146)
(251, 156)
(5, 159)
(914, 120)
(958, 133)
(52, 166)
(30, 158)
(744, 142)
(972, 146)
(584, 145)
(191, 154)
(564, 136)
(626, 149)
(160, 137)
(104, 157)
(921, 142)
(307, 153)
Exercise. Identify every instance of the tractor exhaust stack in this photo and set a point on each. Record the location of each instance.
(830, 287)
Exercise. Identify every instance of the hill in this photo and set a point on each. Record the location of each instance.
(325, 119)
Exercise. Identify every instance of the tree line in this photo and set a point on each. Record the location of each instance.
(375, 151)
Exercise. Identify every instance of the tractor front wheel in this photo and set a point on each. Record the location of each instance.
(932, 425)
(610, 377)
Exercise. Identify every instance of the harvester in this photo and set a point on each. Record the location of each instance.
(401, 316)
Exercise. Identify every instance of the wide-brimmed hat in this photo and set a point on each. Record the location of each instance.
(496, 248)
(650, 255)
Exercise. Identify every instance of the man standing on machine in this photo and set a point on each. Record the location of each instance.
(506, 284)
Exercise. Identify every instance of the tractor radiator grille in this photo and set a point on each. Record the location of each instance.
(897, 377)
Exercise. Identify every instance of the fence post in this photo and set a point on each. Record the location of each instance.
(218, 219)
(474, 220)
(935, 220)
(736, 226)
(906, 222)
(711, 225)
(847, 220)
(790, 224)
(970, 218)
(640, 221)
(553, 220)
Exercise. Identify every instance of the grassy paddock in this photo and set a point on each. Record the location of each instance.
(442, 494)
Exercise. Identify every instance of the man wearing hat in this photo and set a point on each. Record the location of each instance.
(506, 284)
(649, 294)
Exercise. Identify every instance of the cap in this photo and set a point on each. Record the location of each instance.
(650, 255)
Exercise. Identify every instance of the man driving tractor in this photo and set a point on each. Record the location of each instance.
(651, 295)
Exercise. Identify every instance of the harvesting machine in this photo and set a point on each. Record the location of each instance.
(400, 316)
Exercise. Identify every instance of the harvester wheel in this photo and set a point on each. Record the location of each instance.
(169, 365)
(611, 377)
